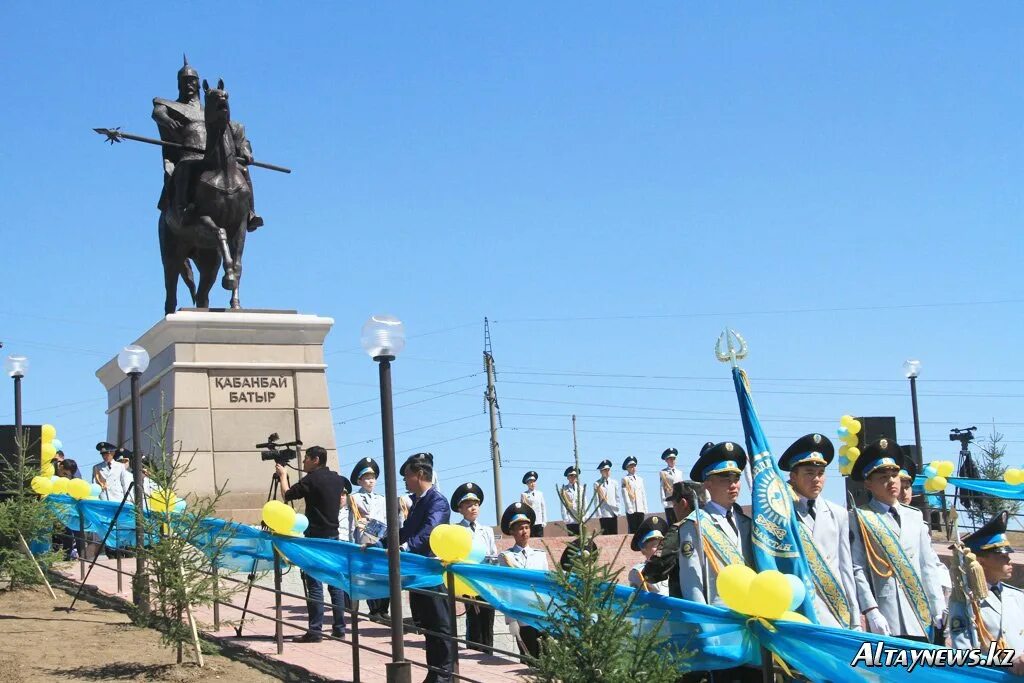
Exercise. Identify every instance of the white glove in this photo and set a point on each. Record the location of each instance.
(877, 623)
(939, 621)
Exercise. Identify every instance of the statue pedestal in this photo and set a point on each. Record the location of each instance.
(225, 381)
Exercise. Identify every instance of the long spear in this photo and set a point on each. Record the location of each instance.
(117, 135)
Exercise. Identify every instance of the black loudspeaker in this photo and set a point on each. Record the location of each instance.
(871, 429)
(9, 451)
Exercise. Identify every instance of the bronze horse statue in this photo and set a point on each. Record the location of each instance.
(211, 228)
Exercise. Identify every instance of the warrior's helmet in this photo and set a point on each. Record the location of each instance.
(186, 71)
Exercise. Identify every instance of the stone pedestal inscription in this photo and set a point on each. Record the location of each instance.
(226, 380)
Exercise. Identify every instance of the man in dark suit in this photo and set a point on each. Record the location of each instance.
(429, 508)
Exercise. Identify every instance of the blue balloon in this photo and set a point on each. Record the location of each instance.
(930, 472)
(95, 490)
(843, 432)
(58, 444)
(301, 523)
(844, 461)
(476, 555)
(799, 591)
(179, 505)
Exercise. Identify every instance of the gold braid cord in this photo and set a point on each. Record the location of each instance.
(874, 559)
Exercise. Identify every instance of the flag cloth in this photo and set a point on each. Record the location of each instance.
(775, 531)
(989, 487)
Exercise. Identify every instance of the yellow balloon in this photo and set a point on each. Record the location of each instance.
(163, 500)
(47, 452)
(49, 433)
(279, 517)
(853, 453)
(794, 616)
(733, 585)
(462, 587)
(850, 440)
(945, 468)
(47, 470)
(60, 486)
(770, 594)
(451, 542)
(854, 427)
(846, 420)
(1013, 476)
(79, 489)
(42, 485)
(844, 450)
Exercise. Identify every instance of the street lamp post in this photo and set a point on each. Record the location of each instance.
(16, 367)
(133, 361)
(912, 368)
(383, 338)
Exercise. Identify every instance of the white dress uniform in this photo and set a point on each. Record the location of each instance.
(609, 507)
(691, 552)
(634, 495)
(371, 506)
(113, 474)
(483, 538)
(574, 494)
(535, 499)
(830, 528)
(888, 594)
(1002, 612)
(636, 580)
(669, 476)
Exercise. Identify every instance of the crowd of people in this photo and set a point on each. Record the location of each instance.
(874, 567)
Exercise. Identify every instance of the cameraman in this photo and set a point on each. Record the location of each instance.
(321, 489)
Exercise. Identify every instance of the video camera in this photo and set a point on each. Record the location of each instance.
(281, 453)
(964, 436)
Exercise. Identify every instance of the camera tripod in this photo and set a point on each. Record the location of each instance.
(271, 495)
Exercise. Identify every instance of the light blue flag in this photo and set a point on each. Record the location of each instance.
(776, 536)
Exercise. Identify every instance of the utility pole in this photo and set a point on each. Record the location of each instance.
(492, 406)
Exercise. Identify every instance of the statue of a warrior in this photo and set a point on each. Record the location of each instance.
(181, 121)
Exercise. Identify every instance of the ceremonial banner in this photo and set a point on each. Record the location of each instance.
(776, 528)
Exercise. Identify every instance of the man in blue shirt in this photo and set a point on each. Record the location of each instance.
(429, 508)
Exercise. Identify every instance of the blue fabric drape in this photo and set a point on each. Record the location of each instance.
(714, 637)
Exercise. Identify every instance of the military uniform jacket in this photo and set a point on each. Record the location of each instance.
(606, 489)
(370, 506)
(830, 529)
(888, 594)
(1003, 616)
(634, 495)
(535, 499)
(577, 495)
(524, 558)
(692, 553)
(483, 538)
(668, 475)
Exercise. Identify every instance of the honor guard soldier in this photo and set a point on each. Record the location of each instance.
(110, 474)
(894, 566)
(824, 532)
(572, 496)
(908, 470)
(994, 612)
(365, 506)
(668, 476)
(517, 521)
(718, 535)
(664, 564)
(535, 499)
(606, 497)
(646, 540)
(479, 618)
(634, 495)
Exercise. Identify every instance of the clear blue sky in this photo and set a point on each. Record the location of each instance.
(610, 185)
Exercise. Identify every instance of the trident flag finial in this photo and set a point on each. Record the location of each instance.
(736, 347)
